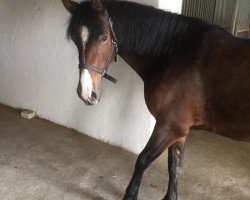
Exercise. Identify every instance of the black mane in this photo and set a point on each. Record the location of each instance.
(145, 30)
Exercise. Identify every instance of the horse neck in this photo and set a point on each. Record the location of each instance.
(140, 64)
(143, 30)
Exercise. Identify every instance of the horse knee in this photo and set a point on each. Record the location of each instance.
(143, 161)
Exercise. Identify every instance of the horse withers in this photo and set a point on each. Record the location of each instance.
(196, 75)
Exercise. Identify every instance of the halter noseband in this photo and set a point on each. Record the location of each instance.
(114, 46)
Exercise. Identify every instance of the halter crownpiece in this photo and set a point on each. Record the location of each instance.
(114, 46)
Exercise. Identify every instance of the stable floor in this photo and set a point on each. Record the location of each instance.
(40, 160)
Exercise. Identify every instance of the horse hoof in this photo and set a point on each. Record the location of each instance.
(129, 198)
(170, 198)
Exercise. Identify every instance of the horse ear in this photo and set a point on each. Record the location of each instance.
(98, 5)
(71, 6)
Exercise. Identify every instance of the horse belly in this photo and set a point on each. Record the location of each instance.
(225, 70)
(236, 131)
(228, 112)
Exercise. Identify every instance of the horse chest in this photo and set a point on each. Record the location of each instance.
(178, 97)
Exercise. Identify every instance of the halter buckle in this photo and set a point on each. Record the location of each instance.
(104, 72)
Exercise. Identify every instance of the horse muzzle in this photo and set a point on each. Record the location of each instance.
(90, 100)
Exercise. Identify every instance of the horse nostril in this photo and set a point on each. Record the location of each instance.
(93, 96)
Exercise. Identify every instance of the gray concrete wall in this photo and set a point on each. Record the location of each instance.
(38, 71)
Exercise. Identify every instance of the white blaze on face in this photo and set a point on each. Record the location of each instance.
(85, 78)
(86, 83)
(85, 35)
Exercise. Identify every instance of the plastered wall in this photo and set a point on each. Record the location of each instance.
(38, 71)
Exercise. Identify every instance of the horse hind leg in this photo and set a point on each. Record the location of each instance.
(175, 164)
(163, 136)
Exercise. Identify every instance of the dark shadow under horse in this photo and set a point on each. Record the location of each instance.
(196, 75)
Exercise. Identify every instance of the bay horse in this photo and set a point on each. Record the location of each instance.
(196, 75)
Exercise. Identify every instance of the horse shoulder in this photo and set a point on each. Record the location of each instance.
(176, 94)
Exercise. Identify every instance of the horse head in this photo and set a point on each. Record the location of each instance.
(91, 30)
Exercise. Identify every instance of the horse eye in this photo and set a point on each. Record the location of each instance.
(104, 39)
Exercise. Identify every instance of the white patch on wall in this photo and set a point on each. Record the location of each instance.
(171, 5)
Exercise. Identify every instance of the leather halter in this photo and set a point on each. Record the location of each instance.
(114, 46)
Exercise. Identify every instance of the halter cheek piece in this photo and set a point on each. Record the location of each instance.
(114, 46)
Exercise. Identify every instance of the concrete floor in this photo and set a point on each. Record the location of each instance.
(40, 160)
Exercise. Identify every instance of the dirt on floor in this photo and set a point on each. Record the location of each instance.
(40, 160)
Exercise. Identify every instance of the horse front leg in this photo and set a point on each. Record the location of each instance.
(175, 164)
(163, 137)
